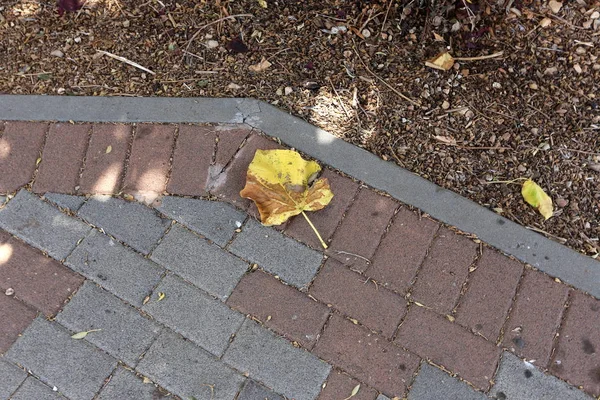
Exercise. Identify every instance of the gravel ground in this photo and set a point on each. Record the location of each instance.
(356, 68)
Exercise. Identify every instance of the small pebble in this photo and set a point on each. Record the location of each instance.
(9, 292)
(366, 33)
(57, 53)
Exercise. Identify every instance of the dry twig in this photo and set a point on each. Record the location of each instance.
(126, 61)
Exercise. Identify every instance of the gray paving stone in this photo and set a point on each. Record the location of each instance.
(200, 262)
(433, 384)
(67, 201)
(125, 334)
(116, 268)
(131, 222)
(186, 370)
(11, 377)
(292, 261)
(518, 380)
(274, 361)
(382, 397)
(32, 389)
(124, 385)
(191, 312)
(255, 391)
(215, 220)
(2, 200)
(75, 367)
(41, 225)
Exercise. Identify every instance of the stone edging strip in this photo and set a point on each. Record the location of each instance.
(553, 258)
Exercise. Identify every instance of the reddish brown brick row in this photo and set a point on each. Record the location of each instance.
(361, 230)
(491, 289)
(37, 283)
(280, 307)
(446, 343)
(368, 357)
(20, 147)
(576, 358)
(62, 158)
(535, 317)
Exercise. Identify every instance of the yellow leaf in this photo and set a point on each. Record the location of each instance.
(278, 182)
(443, 61)
(262, 3)
(261, 66)
(161, 296)
(536, 197)
(355, 390)
(108, 149)
(81, 335)
(38, 161)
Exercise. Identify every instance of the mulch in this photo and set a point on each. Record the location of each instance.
(356, 69)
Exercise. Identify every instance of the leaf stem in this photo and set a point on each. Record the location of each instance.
(315, 230)
(511, 181)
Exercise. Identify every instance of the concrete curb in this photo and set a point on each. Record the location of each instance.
(553, 258)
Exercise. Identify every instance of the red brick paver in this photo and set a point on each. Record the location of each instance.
(62, 158)
(362, 228)
(229, 140)
(446, 343)
(444, 271)
(15, 317)
(37, 280)
(105, 159)
(327, 219)
(366, 356)
(192, 158)
(229, 183)
(149, 160)
(535, 317)
(491, 289)
(402, 250)
(353, 295)
(20, 147)
(339, 386)
(280, 307)
(577, 356)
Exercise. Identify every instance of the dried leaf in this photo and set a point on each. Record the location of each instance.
(277, 181)
(445, 139)
(437, 37)
(442, 61)
(146, 380)
(38, 161)
(161, 296)
(450, 318)
(355, 390)
(108, 149)
(261, 66)
(555, 6)
(81, 335)
(536, 197)
(545, 22)
(262, 3)
(236, 45)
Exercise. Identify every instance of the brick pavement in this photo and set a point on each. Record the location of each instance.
(190, 297)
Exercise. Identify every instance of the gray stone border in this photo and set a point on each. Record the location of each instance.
(553, 258)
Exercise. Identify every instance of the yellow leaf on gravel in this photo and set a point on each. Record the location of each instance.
(278, 182)
(536, 197)
(81, 335)
(262, 3)
(443, 61)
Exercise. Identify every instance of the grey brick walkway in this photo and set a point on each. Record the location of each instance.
(154, 301)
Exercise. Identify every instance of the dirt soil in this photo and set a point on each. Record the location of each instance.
(356, 69)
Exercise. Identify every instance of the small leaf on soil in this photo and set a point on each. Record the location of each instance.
(355, 390)
(536, 197)
(261, 66)
(555, 6)
(442, 61)
(108, 149)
